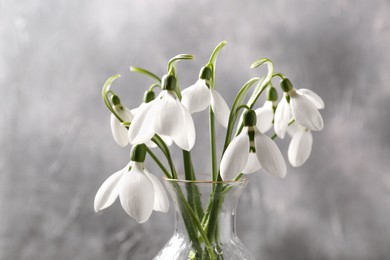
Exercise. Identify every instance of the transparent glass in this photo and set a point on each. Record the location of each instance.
(205, 221)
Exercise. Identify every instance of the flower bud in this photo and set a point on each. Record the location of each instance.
(250, 118)
(168, 82)
(149, 96)
(138, 153)
(205, 73)
(286, 85)
(272, 94)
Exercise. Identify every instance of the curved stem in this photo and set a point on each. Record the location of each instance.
(106, 90)
(172, 62)
(278, 74)
(233, 115)
(158, 162)
(164, 148)
(145, 72)
(242, 106)
(256, 94)
(214, 54)
(153, 86)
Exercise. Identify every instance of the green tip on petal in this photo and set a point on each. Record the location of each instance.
(286, 85)
(168, 82)
(250, 118)
(138, 153)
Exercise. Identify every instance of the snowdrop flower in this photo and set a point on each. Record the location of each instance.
(148, 97)
(199, 96)
(119, 131)
(165, 116)
(303, 107)
(282, 117)
(300, 145)
(139, 191)
(251, 150)
(265, 114)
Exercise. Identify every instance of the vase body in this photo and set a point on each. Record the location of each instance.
(205, 221)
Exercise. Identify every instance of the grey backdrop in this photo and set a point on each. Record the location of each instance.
(56, 145)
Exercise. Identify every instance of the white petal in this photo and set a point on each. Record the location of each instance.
(119, 132)
(161, 201)
(220, 108)
(282, 117)
(137, 194)
(305, 112)
(316, 99)
(175, 121)
(294, 128)
(300, 147)
(235, 157)
(252, 165)
(269, 155)
(141, 129)
(108, 192)
(264, 115)
(125, 113)
(196, 97)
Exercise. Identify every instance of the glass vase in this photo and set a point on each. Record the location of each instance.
(205, 221)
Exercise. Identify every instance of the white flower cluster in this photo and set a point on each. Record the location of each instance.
(169, 116)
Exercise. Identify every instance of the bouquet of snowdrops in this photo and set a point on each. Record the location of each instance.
(163, 121)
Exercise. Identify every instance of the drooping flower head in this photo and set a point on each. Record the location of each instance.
(165, 116)
(251, 150)
(301, 105)
(265, 114)
(201, 95)
(139, 191)
(119, 131)
(300, 145)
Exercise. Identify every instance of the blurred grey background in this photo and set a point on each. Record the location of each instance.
(57, 149)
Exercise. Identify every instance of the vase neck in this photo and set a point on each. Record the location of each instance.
(214, 206)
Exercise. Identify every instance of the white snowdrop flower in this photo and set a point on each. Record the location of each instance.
(282, 117)
(165, 116)
(251, 150)
(119, 131)
(199, 96)
(139, 191)
(304, 105)
(265, 116)
(300, 145)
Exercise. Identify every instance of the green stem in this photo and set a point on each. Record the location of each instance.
(164, 148)
(214, 166)
(200, 229)
(158, 162)
(172, 62)
(106, 90)
(213, 216)
(193, 194)
(145, 72)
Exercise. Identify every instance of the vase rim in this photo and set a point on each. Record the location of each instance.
(204, 180)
